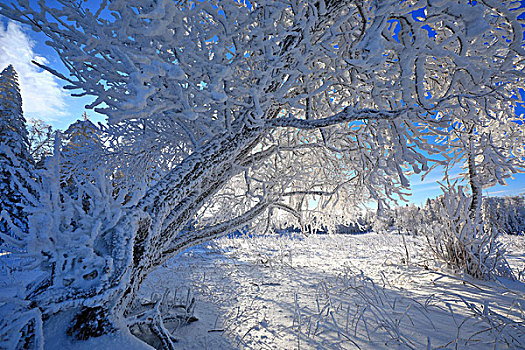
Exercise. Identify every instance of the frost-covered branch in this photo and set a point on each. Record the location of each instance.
(348, 114)
(191, 238)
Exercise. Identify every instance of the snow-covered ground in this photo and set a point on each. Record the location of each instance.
(326, 292)
(340, 292)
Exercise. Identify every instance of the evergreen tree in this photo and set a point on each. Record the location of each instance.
(16, 163)
(82, 140)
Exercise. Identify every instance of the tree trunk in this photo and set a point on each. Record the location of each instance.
(141, 241)
(475, 187)
(173, 207)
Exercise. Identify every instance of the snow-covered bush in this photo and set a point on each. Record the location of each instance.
(463, 241)
(62, 232)
(20, 325)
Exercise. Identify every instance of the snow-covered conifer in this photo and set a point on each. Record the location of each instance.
(81, 141)
(507, 214)
(16, 163)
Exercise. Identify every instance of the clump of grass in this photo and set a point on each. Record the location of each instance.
(458, 237)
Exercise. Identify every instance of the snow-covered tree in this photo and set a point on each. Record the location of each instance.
(80, 140)
(16, 163)
(40, 140)
(409, 219)
(491, 148)
(505, 213)
(219, 112)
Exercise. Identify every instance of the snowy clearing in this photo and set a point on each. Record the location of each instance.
(340, 292)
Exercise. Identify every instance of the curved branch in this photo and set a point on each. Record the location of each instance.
(346, 115)
(192, 238)
(318, 193)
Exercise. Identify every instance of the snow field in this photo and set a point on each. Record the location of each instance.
(340, 292)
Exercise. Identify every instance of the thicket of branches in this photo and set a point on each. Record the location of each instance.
(224, 113)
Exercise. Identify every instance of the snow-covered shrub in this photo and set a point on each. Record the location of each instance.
(62, 242)
(461, 239)
(20, 325)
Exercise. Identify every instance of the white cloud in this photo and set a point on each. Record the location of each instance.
(493, 193)
(42, 96)
(506, 192)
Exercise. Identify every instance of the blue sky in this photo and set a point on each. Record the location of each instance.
(45, 99)
(42, 93)
(430, 188)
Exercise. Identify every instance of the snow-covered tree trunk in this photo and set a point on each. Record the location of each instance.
(176, 199)
(474, 182)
